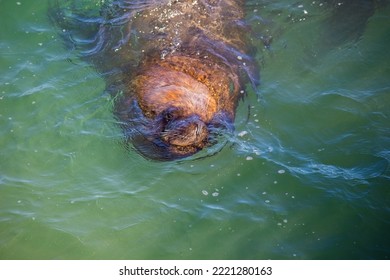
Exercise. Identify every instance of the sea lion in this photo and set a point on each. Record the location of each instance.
(180, 65)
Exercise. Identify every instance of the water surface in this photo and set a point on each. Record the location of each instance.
(305, 177)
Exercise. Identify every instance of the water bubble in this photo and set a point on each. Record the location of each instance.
(281, 171)
(204, 192)
(215, 194)
(242, 133)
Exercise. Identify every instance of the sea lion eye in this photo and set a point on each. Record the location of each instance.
(170, 114)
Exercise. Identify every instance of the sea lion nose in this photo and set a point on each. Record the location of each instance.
(190, 131)
(201, 131)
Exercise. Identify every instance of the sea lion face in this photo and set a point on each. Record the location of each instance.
(170, 115)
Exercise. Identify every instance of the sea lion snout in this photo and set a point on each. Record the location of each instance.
(182, 132)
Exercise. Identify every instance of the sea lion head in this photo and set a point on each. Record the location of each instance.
(169, 114)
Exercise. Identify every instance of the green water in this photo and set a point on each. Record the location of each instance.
(306, 177)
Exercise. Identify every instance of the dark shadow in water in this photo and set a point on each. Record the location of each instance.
(348, 19)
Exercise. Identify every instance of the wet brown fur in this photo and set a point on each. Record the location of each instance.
(189, 79)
